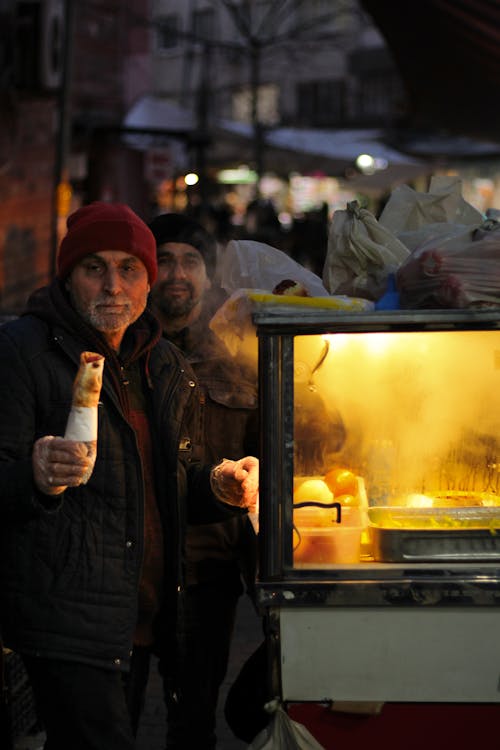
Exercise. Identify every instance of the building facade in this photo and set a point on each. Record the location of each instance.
(264, 80)
(69, 73)
(312, 63)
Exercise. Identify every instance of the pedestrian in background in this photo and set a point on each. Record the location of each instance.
(217, 554)
(87, 569)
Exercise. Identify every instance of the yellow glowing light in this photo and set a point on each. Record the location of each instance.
(378, 343)
(374, 343)
(419, 501)
(64, 195)
(336, 340)
(191, 178)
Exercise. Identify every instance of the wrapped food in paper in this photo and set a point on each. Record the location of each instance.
(82, 420)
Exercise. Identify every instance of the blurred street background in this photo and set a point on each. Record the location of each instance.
(261, 119)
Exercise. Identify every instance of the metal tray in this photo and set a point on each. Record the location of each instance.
(445, 545)
(435, 519)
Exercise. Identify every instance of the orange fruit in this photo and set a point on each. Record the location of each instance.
(341, 482)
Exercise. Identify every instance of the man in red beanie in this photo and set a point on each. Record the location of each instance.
(217, 554)
(90, 566)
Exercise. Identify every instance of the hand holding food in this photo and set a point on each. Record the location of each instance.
(59, 463)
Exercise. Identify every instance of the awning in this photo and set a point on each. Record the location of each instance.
(154, 121)
(330, 152)
(156, 113)
(158, 126)
(343, 146)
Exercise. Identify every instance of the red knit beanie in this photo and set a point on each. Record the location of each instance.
(106, 226)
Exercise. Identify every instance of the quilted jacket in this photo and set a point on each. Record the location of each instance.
(70, 565)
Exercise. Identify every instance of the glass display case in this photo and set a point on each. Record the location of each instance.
(380, 503)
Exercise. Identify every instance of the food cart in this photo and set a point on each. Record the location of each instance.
(382, 597)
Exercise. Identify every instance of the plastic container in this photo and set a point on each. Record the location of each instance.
(338, 544)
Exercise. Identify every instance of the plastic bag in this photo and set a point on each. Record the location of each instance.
(233, 324)
(282, 733)
(415, 218)
(459, 272)
(361, 254)
(246, 264)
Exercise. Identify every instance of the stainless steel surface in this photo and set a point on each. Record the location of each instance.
(280, 321)
(420, 545)
(443, 654)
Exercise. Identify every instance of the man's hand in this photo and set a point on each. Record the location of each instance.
(237, 482)
(59, 463)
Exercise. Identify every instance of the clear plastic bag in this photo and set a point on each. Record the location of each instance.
(282, 733)
(361, 254)
(246, 264)
(233, 324)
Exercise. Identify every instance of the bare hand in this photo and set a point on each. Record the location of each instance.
(237, 482)
(59, 463)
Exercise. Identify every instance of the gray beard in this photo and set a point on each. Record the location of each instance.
(106, 323)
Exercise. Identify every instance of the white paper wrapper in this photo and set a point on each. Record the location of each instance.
(82, 426)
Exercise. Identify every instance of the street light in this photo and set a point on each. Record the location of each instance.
(368, 164)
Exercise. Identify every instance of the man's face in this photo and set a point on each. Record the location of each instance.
(109, 289)
(182, 279)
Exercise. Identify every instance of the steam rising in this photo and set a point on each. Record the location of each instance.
(421, 410)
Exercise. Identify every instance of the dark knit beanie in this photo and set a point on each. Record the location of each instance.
(106, 226)
(179, 228)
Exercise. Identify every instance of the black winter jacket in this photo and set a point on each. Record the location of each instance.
(216, 553)
(70, 565)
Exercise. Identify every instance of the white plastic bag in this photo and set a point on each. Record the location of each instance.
(361, 254)
(416, 217)
(408, 209)
(246, 264)
(282, 733)
(233, 324)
